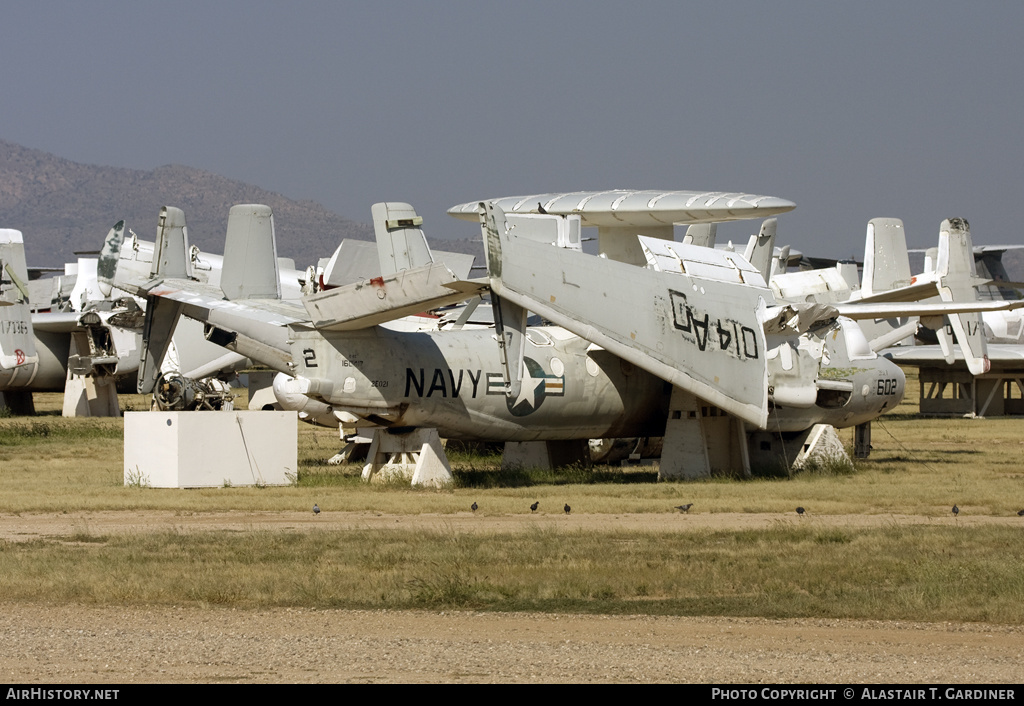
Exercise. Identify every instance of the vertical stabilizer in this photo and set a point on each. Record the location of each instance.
(13, 270)
(886, 261)
(955, 269)
(401, 244)
(702, 234)
(106, 267)
(761, 248)
(18, 357)
(780, 263)
(171, 258)
(250, 254)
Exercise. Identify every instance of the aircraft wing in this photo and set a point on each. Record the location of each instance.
(695, 324)
(56, 322)
(885, 310)
(997, 354)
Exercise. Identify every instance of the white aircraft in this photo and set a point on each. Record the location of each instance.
(82, 352)
(91, 344)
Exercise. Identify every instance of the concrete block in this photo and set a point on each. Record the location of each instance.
(210, 449)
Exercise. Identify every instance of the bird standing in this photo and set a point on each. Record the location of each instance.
(316, 509)
(956, 510)
(474, 506)
(533, 508)
(800, 511)
(567, 509)
(684, 508)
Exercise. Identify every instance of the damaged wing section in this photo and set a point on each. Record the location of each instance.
(382, 299)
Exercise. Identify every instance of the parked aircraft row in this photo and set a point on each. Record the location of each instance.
(653, 338)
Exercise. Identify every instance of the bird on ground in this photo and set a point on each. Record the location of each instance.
(956, 510)
(684, 508)
(474, 507)
(567, 509)
(800, 511)
(533, 508)
(1020, 513)
(316, 509)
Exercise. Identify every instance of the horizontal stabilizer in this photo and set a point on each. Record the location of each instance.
(381, 299)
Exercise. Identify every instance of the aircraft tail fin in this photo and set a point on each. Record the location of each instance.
(106, 267)
(13, 270)
(250, 254)
(761, 248)
(702, 234)
(18, 356)
(401, 244)
(171, 258)
(954, 267)
(886, 261)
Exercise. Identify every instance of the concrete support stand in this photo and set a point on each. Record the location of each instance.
(89, 396)
(417, 456)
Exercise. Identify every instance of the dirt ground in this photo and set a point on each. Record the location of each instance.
(87, 644)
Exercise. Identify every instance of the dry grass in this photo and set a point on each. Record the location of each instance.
(908, 573)
(918, 467)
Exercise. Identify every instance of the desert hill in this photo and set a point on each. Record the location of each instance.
(62, 206)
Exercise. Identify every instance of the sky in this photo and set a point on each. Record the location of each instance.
(851, 110)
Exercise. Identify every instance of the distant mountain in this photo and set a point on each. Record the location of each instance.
(62, 206)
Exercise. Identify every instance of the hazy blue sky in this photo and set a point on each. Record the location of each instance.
(852, 110)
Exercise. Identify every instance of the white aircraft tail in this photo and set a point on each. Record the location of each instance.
(401, 244)
(702, 234)
(955, 270)
(171, 258)
(250, 254)
(886, 261)
(761, 248)
(106, 266)
(18, 357)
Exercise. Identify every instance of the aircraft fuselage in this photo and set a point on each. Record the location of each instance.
(452, 381)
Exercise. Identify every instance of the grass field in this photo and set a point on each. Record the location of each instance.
(920, 467)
